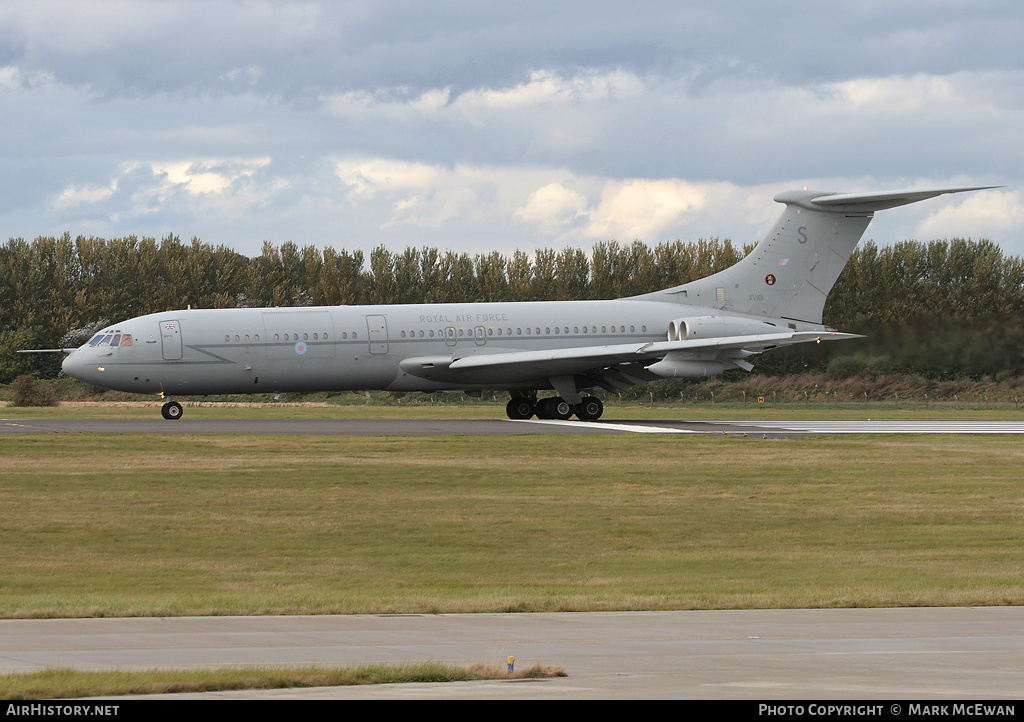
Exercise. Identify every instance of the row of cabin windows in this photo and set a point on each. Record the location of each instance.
(462, 332)
(529, 331)
(287, 337)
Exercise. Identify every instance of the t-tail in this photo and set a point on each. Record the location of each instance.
(791, 271)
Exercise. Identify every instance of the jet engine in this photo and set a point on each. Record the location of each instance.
(705, 362)
(685, 329)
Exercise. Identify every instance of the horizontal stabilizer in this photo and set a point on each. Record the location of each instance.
(879, 201)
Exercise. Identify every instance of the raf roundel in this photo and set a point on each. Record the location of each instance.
(770, 279)
(300, 348)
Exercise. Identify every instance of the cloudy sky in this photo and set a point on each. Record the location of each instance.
(478, 126)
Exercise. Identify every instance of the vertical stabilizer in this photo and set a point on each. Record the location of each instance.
(791, 271)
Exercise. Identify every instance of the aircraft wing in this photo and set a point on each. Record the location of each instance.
(519, 366)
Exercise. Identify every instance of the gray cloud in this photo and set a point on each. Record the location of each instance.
(509, 125)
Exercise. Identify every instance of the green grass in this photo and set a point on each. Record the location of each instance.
(113, 525)
(71, 683)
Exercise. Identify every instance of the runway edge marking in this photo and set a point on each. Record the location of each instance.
(628, 428)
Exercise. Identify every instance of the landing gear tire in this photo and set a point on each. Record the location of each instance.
(519, 408)
(554, 408)
(590, 409)
(171, 411)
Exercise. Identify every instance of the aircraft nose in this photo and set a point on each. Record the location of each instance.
(74, 366)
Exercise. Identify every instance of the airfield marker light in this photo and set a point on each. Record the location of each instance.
(511, 664)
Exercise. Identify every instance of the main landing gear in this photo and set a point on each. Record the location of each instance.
(171, 411)
(520, 407)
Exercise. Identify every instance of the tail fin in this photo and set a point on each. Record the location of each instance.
(790, 272)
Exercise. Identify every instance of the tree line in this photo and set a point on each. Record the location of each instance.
(939, 308)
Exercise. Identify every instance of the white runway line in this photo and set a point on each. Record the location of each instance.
(610, 427)
(891, 427)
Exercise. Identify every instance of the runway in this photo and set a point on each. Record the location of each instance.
(914, 653)
(500, 427)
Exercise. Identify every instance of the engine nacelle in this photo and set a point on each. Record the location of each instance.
(685, 329)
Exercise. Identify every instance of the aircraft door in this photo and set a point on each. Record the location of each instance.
(480, 336)
(449, 336)
(378, 329)
(170, 338)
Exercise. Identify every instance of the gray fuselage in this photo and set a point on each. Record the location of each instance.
(337, 348)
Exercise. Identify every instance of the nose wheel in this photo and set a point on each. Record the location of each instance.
(171, 411)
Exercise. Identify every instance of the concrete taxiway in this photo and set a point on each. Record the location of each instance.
(500, 427)
(948, 653)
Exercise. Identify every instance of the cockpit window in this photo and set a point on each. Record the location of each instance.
(111, 339)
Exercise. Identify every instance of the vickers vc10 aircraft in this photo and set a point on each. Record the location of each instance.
(773, 297)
